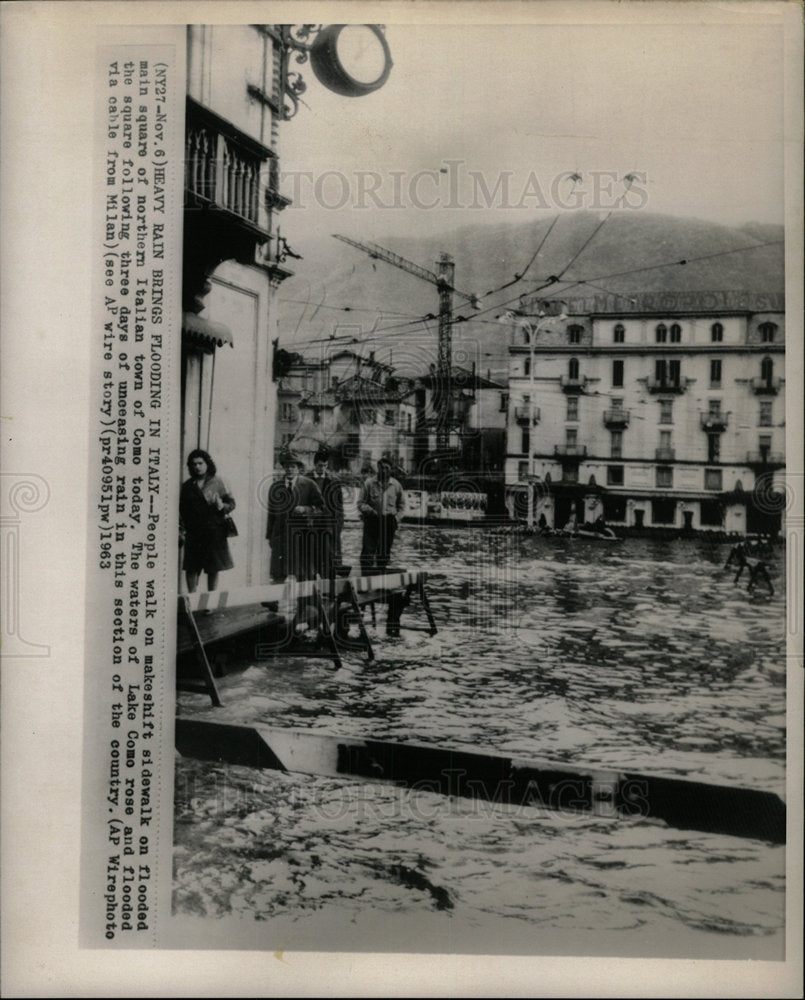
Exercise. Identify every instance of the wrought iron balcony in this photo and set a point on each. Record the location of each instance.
(668, 385)
(766, 386)
(570, 451)
(714, 420)
(522, 414)
(665, 454)
(765, 459)
(617, 418)
(569, 384)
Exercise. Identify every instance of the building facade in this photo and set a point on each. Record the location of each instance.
(232, 265)
(654, 412)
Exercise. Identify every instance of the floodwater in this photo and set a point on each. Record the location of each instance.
(637, 654)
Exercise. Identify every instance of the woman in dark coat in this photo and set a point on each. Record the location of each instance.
(204, 503)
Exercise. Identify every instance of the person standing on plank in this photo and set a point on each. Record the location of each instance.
(204, 502)
(381, 505)
(293, 502)
(331, 519)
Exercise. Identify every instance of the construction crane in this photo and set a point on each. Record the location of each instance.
(444, 282)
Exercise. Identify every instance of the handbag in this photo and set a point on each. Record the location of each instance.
(230, 527)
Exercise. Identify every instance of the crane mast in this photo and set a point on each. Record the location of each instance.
(442, 390)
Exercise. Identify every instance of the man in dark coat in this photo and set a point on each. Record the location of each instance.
(294, 501)
(331, 519)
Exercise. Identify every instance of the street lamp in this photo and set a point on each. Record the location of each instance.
(532, 329)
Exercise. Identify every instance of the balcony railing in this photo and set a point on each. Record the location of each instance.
(570, 450)
(665, 454)
(669, 385)
(714, 420)
(617, 418)
(522, 414)
(569, 384)
(767, 459)
(223, 166)
(766, 386)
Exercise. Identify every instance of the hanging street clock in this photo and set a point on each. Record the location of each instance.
(351, 59)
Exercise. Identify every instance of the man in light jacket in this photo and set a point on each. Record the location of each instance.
(381, 505)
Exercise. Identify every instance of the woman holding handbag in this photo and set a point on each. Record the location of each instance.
(205, 504)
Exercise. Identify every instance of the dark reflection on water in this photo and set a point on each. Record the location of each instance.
(637, 654)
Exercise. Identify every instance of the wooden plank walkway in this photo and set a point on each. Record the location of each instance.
(209, 617)
(225, 623)
(688, 805)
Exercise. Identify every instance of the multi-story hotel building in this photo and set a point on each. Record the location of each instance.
(663, 410)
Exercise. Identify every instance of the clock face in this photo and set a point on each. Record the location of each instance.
(360, 52)
(351, 59)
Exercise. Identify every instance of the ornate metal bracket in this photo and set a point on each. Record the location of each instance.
(319, 44)
(297, 40)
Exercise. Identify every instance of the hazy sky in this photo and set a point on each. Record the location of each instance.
(694, 110)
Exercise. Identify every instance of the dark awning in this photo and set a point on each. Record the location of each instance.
(205, 333)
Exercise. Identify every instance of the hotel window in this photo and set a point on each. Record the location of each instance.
(573, 369)
(615, 508)
(714, 407)
(571, 437)
(504, 402)
(716, 333)
(767, 332)
(661, 333)
(666, 411)
(616, 444)
(389, 418)
(674, 372)
(618, 334)
(408, 422)
(715, 373)
(574, 334)
(767, 369)
(663, 511)
(522, 470)
(570, 473)
(712, 479)
(661, 370)
(572, 407)
(764, 419)
(764, 445)
(527, 367)
(665, 440)
(617, 374)
(616, 402)
(664, 476)
(676, 333)
(614, 475)
(525, 439)
(713, 447)
(711, 513)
